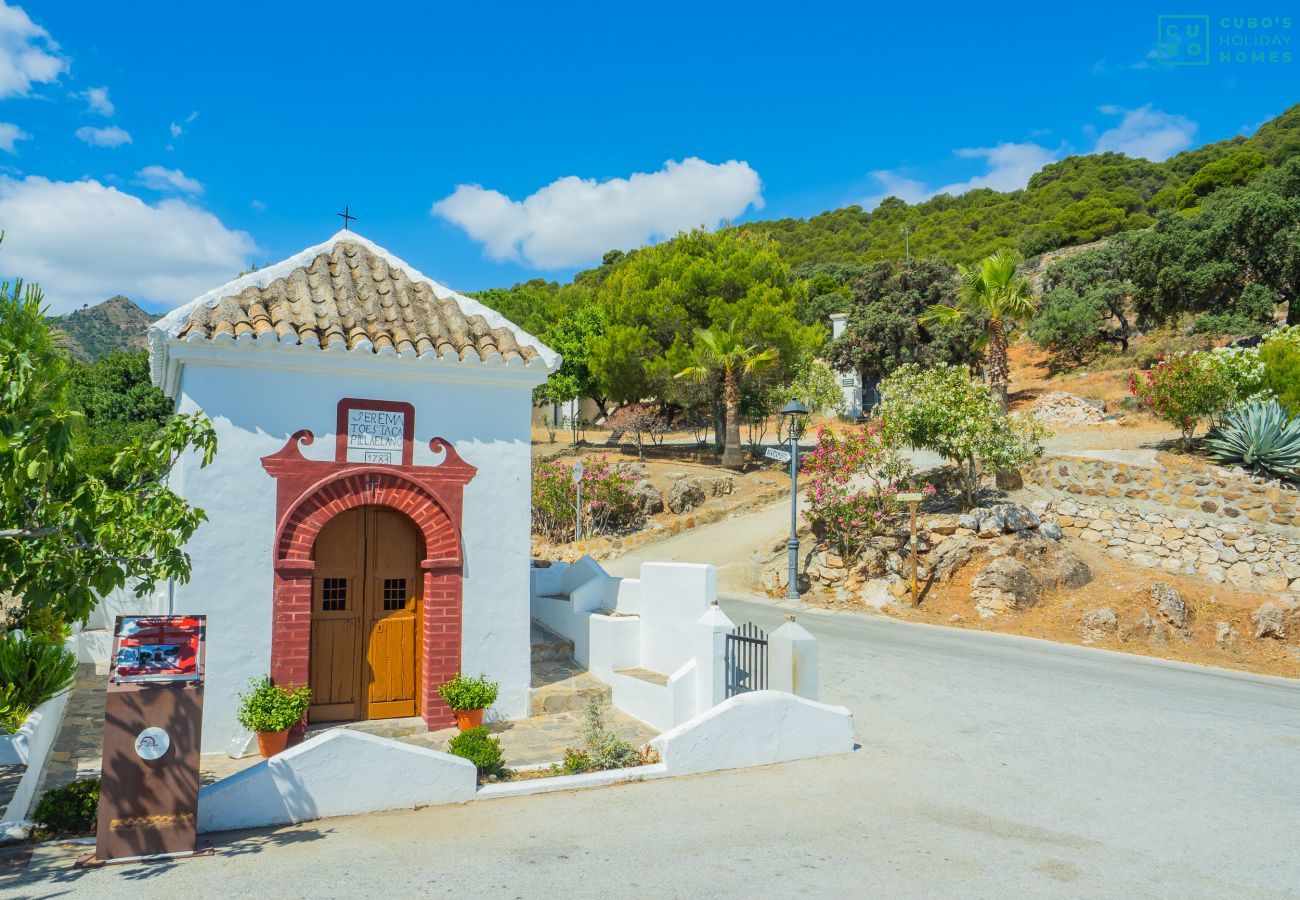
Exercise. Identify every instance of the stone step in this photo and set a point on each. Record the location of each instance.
(547, 646)
(645, 675)
(565, 687)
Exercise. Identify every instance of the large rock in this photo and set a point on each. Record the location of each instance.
(685, 496)
(945, 524)
(950, 555)
(716, 486)
(872, 562)
(648, 499)
(1225, 635)
(1005, 584)
(1145, 629)
(1098, 623)
(1170, 604)
(1001, 519)
(1050, 562)
(1268, 621)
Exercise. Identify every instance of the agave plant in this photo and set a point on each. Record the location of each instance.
(1259, 436)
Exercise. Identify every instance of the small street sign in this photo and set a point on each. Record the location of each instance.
(909, 498)
(577, 471)
(778, 455)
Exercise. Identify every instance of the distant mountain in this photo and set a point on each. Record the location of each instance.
(92, 331)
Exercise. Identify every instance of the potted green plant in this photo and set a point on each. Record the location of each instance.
(269, 711)
(468, 697)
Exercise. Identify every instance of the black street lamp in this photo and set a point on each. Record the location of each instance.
(793, 413)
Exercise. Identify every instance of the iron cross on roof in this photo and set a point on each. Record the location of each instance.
(346, 216)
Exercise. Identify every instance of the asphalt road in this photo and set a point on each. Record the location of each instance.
(989, 766)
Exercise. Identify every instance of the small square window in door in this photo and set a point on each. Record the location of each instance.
(333, 594)
(394, 594)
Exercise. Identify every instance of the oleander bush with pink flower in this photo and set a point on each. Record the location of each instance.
(608, 504)
(852, 477)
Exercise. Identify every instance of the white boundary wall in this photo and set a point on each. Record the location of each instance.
(757, 728)
(31, 745)
(338, 773)
(344, 772)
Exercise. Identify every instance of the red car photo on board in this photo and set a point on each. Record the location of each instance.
(158, 648)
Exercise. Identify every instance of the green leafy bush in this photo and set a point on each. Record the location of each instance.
(69, 810)
(575, 762)
(603, 749)
(45, 622)
(1069, 325)
(13, 711)
(461, 693)
(268, 707)
(480, 748)
(943, 409)
(1281, 375)
(36, 669)
(608, 504)
(1184, 389)
(1258, 436)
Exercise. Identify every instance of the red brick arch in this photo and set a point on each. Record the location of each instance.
(309, 494)
(368, 487)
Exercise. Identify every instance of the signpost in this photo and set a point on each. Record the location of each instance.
(153, 722)
(577, 481)
(793, 414)
(912, 501)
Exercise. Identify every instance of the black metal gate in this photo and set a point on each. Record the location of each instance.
(746, 659)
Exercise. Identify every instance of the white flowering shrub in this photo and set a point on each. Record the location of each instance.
(943, 409)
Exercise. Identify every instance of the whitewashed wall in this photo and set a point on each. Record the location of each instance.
(255, 407)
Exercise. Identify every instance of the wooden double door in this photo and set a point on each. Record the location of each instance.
(365, 618)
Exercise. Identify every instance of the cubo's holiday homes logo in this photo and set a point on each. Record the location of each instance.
(1187, 40)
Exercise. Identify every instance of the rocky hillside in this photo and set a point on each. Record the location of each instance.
(92, 331)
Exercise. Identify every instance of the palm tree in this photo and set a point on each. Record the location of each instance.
(724, 352)
(991, 288)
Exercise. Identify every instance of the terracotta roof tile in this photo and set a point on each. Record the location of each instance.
(349, 297)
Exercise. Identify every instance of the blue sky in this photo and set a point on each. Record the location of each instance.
(156, 151)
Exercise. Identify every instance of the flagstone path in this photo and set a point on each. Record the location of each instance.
(78, 750)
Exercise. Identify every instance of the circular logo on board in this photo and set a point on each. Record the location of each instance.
(152, 743)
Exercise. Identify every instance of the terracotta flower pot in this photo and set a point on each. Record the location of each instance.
(468, 718)
(272, 742)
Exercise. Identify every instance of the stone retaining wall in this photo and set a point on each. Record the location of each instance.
(611, 546)
(1236, 499)
(1221, 528)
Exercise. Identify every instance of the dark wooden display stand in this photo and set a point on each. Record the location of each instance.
(148, 808)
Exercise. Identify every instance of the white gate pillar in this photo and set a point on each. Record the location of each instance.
(711, 632)
(792, 660)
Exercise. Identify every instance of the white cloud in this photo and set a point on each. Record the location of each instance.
(1009, 167)
(112, 136)
(258, 206)
(10, 134)
(178, 127)
(573, 221)
(97, 101)
(1146, 132)
(83, 241)
(158, 178)
(27, 55)
(895, 185)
